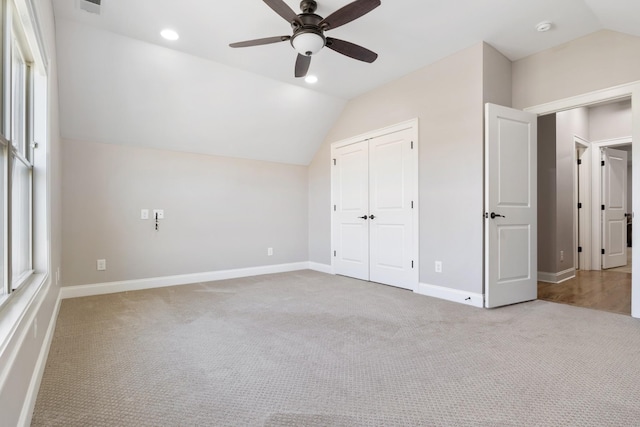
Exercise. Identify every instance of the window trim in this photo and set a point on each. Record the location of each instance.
(17, 41)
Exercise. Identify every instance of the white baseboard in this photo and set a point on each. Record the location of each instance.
(455, 295)
(38, 370)
(559, 277)
(181, 279)
(322, 268)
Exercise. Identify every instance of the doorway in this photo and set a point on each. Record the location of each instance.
(598, 272)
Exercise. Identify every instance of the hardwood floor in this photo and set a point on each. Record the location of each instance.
(600, 290)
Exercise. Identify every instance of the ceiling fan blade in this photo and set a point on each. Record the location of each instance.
(348, 13)
(351, 50)
(258, 42)
(302, 65)
(282, 9)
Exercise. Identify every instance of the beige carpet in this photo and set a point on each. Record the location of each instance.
(310, 349)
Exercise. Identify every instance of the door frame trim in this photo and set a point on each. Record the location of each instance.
(631, 90)
(582, 180)
(406, 125)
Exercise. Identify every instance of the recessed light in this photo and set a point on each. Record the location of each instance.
(169, 34)
(311, 79)
(544, 26)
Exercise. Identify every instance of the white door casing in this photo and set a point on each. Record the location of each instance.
(510, 206)
(614, 208)
(383, 247)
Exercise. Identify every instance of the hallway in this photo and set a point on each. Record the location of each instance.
(600, 290)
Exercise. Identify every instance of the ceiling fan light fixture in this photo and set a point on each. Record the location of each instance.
(311, 79)
(308, 43)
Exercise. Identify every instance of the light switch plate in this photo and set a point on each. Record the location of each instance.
(144, 214)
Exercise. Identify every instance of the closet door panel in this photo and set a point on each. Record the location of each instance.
(391, 224)
(351, 208)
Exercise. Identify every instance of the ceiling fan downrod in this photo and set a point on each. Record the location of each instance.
(308, 6)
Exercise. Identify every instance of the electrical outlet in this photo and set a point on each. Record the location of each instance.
(438, 266)
(561, 256)
(159, 212)
(101, 264)
(144, 214)
(269, 251)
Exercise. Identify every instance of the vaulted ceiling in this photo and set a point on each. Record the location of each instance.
(122, 83)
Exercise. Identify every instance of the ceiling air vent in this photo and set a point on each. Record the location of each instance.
(91, 6)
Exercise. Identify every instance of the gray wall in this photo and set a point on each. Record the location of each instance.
(568, 123)
(599, 60)
(610, 121)
(447, 98)
(220, 213)
(547, 247)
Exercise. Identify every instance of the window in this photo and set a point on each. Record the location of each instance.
(16, 155)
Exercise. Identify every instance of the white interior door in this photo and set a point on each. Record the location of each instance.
(391, 194)
(350, 181)
(511, 206)
(614, 208)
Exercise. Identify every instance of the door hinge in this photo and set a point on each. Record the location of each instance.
(411, 264)
(334, 253)
(334, 162)
(602, 163)
(579, 249)
(602, 207)
(412, 145)
(579, 161)
(603, 252)
(579, 205)
(412, 204)
(334, 208)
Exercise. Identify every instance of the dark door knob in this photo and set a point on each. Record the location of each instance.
(372, 217)
(363, 217)
(494, 215)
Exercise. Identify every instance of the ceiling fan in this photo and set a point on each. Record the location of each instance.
(308, 31)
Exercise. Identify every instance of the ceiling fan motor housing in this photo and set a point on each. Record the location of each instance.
(308, 37)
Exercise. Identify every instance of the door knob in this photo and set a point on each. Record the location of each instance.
(363, 217)
(495, 215)
(372, 217)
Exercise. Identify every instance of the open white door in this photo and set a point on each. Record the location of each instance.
(614, 208)
(511, 206)
(350, 180)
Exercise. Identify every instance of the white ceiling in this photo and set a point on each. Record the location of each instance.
(407, 35)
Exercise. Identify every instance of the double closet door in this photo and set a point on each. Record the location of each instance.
(374, 208)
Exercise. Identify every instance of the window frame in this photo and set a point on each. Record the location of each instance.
(14, 41)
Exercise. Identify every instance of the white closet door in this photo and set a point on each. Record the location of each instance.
(350, 180)
(391, 192)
